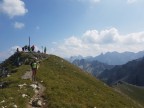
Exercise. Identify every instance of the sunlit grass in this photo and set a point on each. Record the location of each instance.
(66, 87)
(69, 87)
(12, 94)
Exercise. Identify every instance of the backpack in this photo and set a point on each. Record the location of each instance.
(34, 65)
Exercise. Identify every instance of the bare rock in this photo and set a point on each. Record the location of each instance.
(36, 102)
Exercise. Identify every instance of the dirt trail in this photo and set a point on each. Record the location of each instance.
(37, 101)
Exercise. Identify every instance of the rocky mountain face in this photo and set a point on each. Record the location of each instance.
(115, 58)
(131, 72)
(72, 58)
(93, 67)
(111, 58)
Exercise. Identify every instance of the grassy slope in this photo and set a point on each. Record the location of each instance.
(13, 94)
(136, 93)
(67, 86)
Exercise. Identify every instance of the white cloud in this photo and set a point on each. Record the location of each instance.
(19, 25)
(5, 54)
(13, 49)
(37, 48)
(13, 8)
(104, 36)
(94, 42)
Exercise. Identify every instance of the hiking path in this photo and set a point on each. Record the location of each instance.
(37, 101)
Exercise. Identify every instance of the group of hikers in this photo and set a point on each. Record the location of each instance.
(28, 48)
(35, 63)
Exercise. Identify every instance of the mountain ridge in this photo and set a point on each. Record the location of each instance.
(93, 67)
(111, 58)
(66, 86)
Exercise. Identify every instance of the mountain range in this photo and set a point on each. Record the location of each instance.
(93, 67)
(127, 78)
(111, 58)
(131, 72)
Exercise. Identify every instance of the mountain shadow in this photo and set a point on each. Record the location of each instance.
(93, 67)
(131, 72)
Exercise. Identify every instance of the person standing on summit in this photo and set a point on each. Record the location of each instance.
(45, 50)
(33, 48)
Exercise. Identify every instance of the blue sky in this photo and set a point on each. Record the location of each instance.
(72, 27)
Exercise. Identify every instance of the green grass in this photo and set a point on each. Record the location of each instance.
(66, 87)
(135, 92)
(13, 94)
(69, 87)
